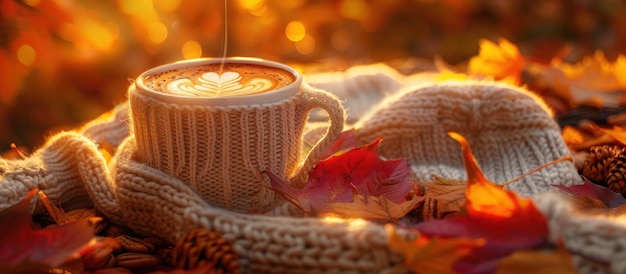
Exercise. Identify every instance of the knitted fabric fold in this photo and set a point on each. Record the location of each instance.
(360, 87)
(597, 242)
(511, 132)
(155, 203)
(68, 169)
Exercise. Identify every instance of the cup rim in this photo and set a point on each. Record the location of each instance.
(252, 99)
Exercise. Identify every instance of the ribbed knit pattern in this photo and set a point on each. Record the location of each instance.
(220, 151)
(510, 131)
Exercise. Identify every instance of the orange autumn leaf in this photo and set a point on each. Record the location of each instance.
(373, 208)
(533, 261)
(595, 72)
(618, 133)
(502, 61)
(485, 198)
(505, 221)
(431, 254)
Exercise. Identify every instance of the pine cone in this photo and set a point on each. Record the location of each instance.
(616, 174)
(201, 246)
(597, 163)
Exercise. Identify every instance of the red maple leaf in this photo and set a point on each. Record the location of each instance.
(337, 178)
(27, 250)
(588, 189)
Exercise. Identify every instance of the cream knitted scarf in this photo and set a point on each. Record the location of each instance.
(71, 171)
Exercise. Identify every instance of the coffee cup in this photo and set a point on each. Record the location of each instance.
(217, 123)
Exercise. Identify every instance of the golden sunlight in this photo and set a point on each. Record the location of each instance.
(356, 224)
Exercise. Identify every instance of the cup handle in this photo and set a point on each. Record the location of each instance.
(315, 98)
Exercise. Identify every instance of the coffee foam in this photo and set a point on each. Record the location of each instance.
(207, 81)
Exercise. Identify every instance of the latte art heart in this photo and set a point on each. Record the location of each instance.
(214, 80)
(212, 84)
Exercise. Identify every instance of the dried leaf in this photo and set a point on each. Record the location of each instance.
(443, 197)
(618, 133)
(333, 180)
(432, 254)
(56, 213)
(533, 261)
(369, 207)
(23, 249)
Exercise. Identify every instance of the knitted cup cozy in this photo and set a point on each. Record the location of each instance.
(511, 132)
(220, 151)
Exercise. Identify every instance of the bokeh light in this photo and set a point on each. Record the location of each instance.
(89, 49)
(167, 5)
(306, 45)
(354, 9)
(341, 39)
(26, 54)
(157, 32)
(251, 4)
(191, 49)
(295, 31)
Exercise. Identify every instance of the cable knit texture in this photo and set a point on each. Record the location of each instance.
(220, 151)
(72, 172)
(510, 130)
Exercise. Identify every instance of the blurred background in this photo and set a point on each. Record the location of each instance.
(64, 62)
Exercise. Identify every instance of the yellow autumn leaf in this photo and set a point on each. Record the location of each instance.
(502, 61)
(370, 207)
(538, 262)
(595, 72)
(431, 255)
(618, 133)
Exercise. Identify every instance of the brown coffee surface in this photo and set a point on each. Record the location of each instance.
(207, 81)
